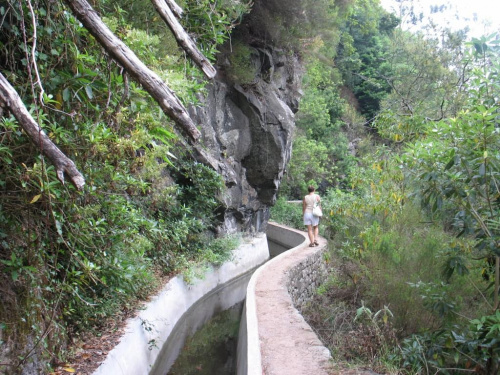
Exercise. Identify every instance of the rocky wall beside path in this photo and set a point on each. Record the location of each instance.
(306, 277)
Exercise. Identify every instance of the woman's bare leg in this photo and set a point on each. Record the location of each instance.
(316, 232)
(310, 233)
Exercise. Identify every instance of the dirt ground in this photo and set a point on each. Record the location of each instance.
(91, 349)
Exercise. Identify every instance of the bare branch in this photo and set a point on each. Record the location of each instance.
(33, 51)
(149, 80)
(175, 8)
(183, 38)
(10, 99)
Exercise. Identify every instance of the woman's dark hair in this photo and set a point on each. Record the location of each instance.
(310, 189)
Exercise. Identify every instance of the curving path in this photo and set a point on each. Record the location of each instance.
(279, 340)
(274, 337)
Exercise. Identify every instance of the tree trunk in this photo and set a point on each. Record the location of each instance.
(149, 80)
(183, 38)
(10, 99)
(175, 8)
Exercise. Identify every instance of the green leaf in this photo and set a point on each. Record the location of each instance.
(88, 90)
(65, 94)
(450, 164)
(482, 169)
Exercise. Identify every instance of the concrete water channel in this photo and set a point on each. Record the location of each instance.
(154, 339)
(217, 357)
(224, 305)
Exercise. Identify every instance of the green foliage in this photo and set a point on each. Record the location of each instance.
(321, 107)
(69, 260)
(456, 166)
(213, 252)
(394, 254)
(363, 54)
(390, 256)
(320, 151)
(220, 249)
(211, 21)
(200, 187)
(293, 26)
(473, 347)
(396, 258)
(242, 69)
(287, 213)
(309, 164)
(427, 76)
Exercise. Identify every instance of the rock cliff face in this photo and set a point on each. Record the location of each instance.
(248, 127)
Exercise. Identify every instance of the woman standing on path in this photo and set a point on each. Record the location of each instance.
(311, 221)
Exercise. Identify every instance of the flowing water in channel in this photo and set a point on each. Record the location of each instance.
(204, 341)
(212, 350)
(180, 342)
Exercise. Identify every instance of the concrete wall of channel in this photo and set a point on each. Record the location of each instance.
(274, 338)
(135, 355)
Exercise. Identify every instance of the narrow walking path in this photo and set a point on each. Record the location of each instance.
(288, 345)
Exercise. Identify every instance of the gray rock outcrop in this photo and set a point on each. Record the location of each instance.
(247, 129)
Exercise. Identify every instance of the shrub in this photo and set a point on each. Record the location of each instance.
(287, 213)
(242, 68)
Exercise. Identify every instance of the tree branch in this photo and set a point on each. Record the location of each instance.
(175, 8)
(149, 80)
(10, 99)
(182, 37)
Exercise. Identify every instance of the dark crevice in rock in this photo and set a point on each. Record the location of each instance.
(247, 127)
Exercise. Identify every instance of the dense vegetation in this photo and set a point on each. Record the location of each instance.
(69, 260)
(399, 132)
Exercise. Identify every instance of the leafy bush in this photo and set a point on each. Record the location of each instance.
(394, 253)
(70, 260)
(389, 256)
(287, 213)
(474, 346)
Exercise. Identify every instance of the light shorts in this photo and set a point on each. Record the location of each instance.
(310, 219)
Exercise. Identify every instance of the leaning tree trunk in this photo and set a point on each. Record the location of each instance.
(182, 37)
(9, 98)
(176, 9)
(149, 80)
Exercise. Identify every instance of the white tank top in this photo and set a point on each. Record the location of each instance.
(310, 200)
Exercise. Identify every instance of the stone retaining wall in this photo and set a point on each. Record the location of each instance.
(305, 278)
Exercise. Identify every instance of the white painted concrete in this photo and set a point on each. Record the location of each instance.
(134, 355)
(249, 350)
(271, 279)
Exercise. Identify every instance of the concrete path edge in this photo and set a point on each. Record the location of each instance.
(134, 354)
(252, 345)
